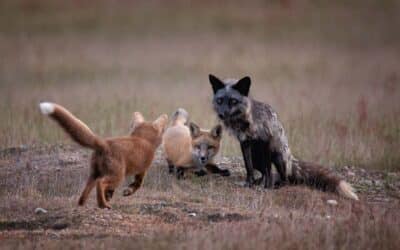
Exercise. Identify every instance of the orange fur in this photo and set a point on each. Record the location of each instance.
(179, 143)
(113, 158)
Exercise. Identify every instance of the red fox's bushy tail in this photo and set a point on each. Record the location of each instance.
(78, 131)
(319, 177)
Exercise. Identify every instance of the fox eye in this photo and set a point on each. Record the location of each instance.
(233, 101)
(219, 100)
(210, 147)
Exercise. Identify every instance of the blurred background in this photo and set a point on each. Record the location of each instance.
(331, 69)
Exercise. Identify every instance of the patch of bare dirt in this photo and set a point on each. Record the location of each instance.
(52, 176)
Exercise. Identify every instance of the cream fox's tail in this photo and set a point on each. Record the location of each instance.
(78, 130)
(319, 177)
(180, 117)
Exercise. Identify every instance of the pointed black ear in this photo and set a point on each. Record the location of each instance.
(216, 83)
(216, 132)
(243, 86)
(194, 130)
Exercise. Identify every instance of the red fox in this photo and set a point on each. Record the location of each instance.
(113, 158)
(191, 147)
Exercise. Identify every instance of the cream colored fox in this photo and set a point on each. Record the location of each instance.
(191, 147)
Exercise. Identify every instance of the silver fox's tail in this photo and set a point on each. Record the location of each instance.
(321, 178)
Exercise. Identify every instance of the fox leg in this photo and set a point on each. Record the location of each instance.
(246, 151)
(101, 198)
(214, 169)
(200, 172)
(171, 167)
(91, 182)
(133, 187)
(109, 194)
(261, 158)
(280, 165)
(180, 172)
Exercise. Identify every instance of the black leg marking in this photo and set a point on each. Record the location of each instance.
(171, 169)
(246, 151)
(261, 158)
(109, 194)
(180, 172)
(280, 165)
(214, 169)
(200, 172)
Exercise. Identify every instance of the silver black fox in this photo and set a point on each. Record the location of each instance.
(263, 140)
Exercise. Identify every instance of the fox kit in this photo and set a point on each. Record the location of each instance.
(190, 147)
(113, 158)
(263, 140)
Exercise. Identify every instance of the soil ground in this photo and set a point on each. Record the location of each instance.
(166, 211)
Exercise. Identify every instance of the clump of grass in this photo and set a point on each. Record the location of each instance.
(337, 98)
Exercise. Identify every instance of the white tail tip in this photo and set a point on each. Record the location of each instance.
(346, 190)
(46, 108)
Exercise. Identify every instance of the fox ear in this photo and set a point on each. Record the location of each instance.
(216, 132)
(243, 86)
(216, 83)
(161, 122)
(137, 119)
(194, 130)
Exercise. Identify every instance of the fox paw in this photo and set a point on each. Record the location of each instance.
(225, 172)
(279, 184)
(127, 192)
(200, 172)
(81, 202)
(106, 206)
(249, 184)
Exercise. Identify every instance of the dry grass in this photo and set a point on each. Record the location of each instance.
(334, 83)
(331, 70)
(158, 215)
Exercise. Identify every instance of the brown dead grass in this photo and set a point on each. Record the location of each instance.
(158, 216)
(334, 84)
(331, 70)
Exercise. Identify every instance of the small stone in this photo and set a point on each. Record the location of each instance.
(350, 173)
(328, 217)
(118, 216)
(192, 214)
(332, 202)
(40, 210)
(240, 183)
(60, 225)
(368, 182)
(53, 235)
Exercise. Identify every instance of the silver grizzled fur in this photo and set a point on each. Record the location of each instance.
(258, 129)
(251, 119)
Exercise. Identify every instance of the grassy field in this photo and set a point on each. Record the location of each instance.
(211, 212)
(330, 70)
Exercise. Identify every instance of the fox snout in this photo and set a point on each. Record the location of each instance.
(203, 160)
(200, 155)
(223, 115)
